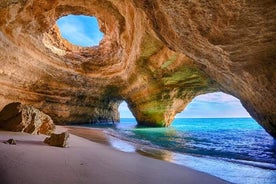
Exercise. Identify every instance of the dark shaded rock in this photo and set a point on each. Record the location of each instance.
(10, 141)
(59, 140)
(23, 118)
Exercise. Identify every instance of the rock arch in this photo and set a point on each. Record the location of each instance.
(156, 55)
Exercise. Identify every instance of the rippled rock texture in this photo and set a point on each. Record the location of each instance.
(156, 54)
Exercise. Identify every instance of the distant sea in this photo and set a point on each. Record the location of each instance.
(238, 150)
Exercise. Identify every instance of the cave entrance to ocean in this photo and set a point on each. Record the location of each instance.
(214, 134)
(210, 105)
(80, 30)
(214, 105)
(124, 111)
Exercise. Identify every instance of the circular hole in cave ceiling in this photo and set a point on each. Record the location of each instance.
(80, 30)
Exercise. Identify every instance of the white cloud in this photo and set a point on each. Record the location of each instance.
(214, 105)
(217, 97)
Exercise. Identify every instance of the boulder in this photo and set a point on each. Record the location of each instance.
(58, 140)
(23, 118)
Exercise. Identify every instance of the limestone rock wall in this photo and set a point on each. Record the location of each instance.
(157, 55)
(234, 41)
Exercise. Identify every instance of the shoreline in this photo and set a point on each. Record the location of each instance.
(102, 137)
(225, 169)
(85, 161)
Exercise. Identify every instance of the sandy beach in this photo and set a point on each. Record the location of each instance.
(31, 161)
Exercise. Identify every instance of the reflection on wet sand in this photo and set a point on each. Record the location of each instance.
(95, 135)
(98, 135)
(223, 168)
(156, 153)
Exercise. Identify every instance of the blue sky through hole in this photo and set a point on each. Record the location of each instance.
(83, 31)
(211, 105)
(80, 30)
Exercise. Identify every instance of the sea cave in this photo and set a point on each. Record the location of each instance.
(155, 56)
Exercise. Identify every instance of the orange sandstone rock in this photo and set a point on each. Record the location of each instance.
(157, 55)
(22, 118)
(58, 140)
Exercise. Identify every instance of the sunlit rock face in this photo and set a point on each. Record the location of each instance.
(157, 55)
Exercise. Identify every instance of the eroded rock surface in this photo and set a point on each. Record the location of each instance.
(23, 118)
(58, 140)
(157, 55)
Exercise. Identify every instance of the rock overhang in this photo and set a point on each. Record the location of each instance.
(156, 58)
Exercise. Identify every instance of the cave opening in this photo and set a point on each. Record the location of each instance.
(214, 105)
(124, 111)
(80, 30)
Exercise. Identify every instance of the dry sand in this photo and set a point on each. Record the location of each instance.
(33, 162)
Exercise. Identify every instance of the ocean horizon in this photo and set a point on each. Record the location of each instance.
(238, 150)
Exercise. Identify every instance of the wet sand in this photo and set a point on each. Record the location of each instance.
(31, 161)
(92, 134)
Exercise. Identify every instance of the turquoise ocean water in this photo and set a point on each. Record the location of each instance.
(235, 149)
